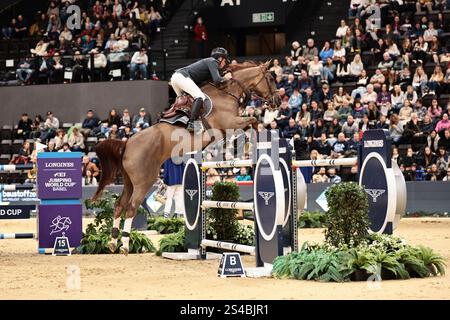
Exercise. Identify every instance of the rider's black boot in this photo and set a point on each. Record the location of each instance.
(196, 106)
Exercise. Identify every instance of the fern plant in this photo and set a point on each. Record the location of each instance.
(173, 242)
(165, 225)
(98, 233)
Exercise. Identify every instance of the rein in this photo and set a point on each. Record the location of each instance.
(242, 96)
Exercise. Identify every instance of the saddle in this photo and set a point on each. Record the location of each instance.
(179, 112)
(182, 104)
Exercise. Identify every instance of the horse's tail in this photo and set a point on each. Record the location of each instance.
(110, 154)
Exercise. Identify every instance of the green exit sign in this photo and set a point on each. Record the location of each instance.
(263, 17)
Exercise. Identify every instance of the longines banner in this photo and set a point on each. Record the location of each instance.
(59, 188)
(245, 13)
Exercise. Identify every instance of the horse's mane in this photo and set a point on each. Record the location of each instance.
(243, 65)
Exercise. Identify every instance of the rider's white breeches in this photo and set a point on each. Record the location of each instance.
(182, 84)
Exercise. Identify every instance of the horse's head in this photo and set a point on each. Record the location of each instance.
(259, 80)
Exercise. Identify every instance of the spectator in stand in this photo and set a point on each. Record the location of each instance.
(384, 101)
(139, 61)
(57, 71)
(291, 130)
(141, 121)
(296, 50)
(342, 30)
(88, 165)
(90, 124)
(447, 176)
(328, 71)
(305, 82)
(405, 113)
(24, 127)
(201, 38)
(350, 127)
(65, 148)
(315, 69)
(284, 114)
(79, 68)
(310, 51)
(322, 145)
(60, 139)
(356, 7)
(326, 52)
(442, 161)
(9, 31)
(382, 123)
(294, 102)
(289, 84)
(356, 67)
(325, 94)
(341, 98)
(320, 176)
(420, 80)
(377, 80)
(412, 133)
(386, 64)
(21, 28)
(25, 70)
(443, 124)
(89, 180)
(76, 140)
(436, 80)
(434, 111)
(411, 95)
(427, 125)
(125, 120)
(340, 146)
(276, 68)
(318, 128)
(304, 114)
(396, 129)
(433, 141)
(243, 175)
(362, 82)
(49, 129)
(343, 71)
(445, 141)
(424, 5)
(113, 133)
(433, 173)
(288, 67)
(334, 178)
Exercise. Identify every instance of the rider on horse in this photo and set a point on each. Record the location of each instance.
(187, 79)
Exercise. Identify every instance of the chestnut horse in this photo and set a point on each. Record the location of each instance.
(141, 157)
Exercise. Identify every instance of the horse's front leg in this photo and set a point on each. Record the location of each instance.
(244, 122)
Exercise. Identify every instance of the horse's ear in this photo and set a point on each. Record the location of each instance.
(267, 64)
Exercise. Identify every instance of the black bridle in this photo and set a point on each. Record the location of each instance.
(246, 93)
(270, 97)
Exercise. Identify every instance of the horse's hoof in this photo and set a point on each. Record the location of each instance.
(124, 251)
(112, 247)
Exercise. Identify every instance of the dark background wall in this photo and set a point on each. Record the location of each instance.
(69, 102)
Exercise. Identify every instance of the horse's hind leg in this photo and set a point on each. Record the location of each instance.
(120, 205)
(138, 195)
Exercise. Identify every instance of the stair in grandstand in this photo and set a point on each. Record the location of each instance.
(174, 38)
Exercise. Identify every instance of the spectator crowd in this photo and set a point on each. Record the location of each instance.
(112, 35)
